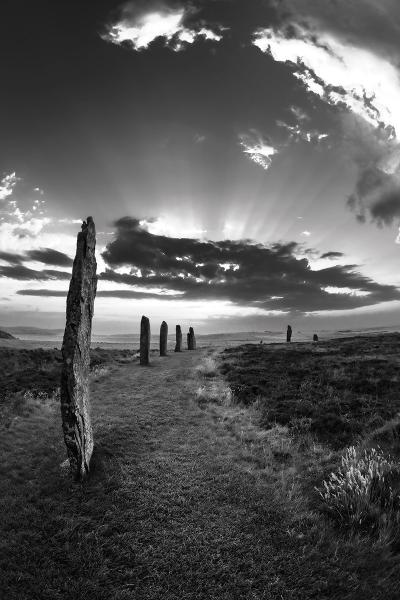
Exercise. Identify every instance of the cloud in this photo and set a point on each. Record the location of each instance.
(12, 258)
(23, 273)
(122, 294)
(139, 26)
(376, 195)
(43, 292)
(261, 150)
(300, 132)
(258, 148)
(241, 272)
(365, 23)
(334, 70)
(23, 214)
(49, 256)
(7, 185)
(328, 45)
(332, 255)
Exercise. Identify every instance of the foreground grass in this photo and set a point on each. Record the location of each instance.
(182, 502)
(39, 370)
(284, 394)
(30, 377)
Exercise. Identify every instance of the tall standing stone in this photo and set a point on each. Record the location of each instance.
(289, 334)
(178, 344)
(163, 339)
(191, 339)
(144, 341)
(74, 391)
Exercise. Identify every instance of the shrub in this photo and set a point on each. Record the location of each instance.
(362, 494)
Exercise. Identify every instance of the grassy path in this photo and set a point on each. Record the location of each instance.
(173, 509)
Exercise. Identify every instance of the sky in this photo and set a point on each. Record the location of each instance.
(240, 159)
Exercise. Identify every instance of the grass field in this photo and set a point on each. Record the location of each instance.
(345, 388)
(195, 492)
(332, 413)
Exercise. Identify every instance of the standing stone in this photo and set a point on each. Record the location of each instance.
(163, 338)
(315, 338)
(178, 345)
(144, 341)
(191, 339)
(289, 334)
(188, 340)
(74, 391)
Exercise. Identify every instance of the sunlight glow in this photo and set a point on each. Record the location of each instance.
(345, 290)
(173, 226)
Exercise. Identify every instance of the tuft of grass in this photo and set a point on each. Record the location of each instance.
(212, 390)
(362, 494)
(208, 367)
(215, 393)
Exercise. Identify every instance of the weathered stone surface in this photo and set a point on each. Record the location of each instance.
(145, 336)
(178, 344)
(191, 339)
(188, 340)
(163, 338)
(289, 334)
(74, 390)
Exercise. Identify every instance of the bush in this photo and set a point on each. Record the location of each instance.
(363, 494)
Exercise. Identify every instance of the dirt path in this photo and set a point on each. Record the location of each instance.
(202, 522)
(174, 509)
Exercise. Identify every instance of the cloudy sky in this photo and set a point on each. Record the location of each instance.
(241, 161)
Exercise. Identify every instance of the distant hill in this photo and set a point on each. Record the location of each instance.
(26, 330)
(6, 336)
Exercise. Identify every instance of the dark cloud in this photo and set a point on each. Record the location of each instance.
(49, 256)
(43, 292)
(384, 210)
(377, 195)
(23, 273)
(11, 258)
(122, 294)
(332, 255)
(245, 273)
